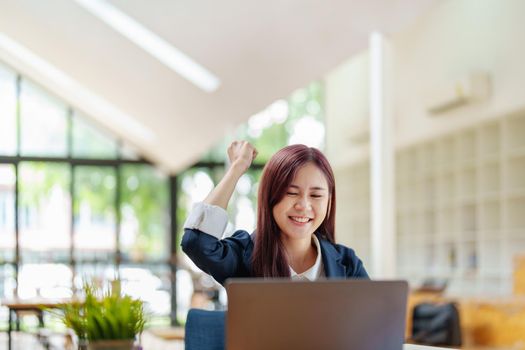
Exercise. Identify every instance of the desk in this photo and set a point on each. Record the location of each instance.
(486, 322)
(421, 347)
(172, 333)
(35, 306)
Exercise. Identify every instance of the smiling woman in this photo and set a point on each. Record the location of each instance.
(300, 212)
(295, 222)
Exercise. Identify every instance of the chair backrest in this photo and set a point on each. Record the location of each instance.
(205, 330)
(436, 324)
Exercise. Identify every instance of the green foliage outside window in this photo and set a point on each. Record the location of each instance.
(145, 196)
(273, 128)
(95, 186)
(37, 179)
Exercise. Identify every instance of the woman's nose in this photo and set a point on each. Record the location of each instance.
(302, 203)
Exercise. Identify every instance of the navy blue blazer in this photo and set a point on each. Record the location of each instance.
(231, 257)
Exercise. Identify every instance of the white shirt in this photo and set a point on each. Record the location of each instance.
(314, 272)
(212, 220)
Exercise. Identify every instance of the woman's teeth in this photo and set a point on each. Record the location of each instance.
(300, 219)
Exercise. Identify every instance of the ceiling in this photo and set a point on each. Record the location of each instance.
(261, 51)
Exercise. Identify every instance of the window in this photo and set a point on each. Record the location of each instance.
(7, 112)
(83, 198)
(95, 223)
(91, 209)
(43, 123)
(44, 209)
(7, 213)
(144, 214)
(89, 142)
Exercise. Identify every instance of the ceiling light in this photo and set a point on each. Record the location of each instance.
(152, 44)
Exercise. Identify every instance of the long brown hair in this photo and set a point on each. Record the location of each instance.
(269, 257)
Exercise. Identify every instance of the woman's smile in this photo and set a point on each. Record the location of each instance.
(300, 219)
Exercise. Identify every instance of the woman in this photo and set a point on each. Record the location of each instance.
(295, 222)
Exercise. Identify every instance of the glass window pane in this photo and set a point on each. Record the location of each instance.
(43, 123)
(7, 281)
(90, 142)
(45, 280)
(7, 112)
(299, 119)
(151, 284)
(45, 212)
(217, 153)
(129, 152)
(144, 214)
(193, 186)
(100, 274)
(7, 212)
(94, 208)
(189, 295)
(7, 290)
(267, 130)
(305, 123)
(242, 209)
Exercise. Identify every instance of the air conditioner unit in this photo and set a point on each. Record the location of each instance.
(473, 88)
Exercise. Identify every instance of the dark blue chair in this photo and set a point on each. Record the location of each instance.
(436, 325)
(204, 330)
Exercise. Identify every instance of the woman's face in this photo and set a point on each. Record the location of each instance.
(304, 205)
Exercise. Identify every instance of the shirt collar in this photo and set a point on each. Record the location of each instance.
(313, 272)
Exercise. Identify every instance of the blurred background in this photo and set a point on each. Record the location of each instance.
(115, 117)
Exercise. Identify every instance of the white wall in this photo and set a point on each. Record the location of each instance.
(347, 110)
(454, 39)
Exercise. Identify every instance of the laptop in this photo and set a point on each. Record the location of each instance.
(328, 314)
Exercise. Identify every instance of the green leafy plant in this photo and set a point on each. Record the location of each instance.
(105, 315)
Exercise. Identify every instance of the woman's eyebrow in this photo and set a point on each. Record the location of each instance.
(316, 188)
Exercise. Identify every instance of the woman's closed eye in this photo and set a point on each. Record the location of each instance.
(313, 195)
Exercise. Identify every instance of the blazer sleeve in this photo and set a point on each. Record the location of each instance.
(356, 268)
(359, 270)
(221, 258)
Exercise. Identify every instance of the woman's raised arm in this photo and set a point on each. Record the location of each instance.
(241, 155)
(205, 224)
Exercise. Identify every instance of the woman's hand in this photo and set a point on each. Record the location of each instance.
(241, 154)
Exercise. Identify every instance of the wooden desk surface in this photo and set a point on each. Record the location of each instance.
(421, 347)
(172, 333)
(31, 304)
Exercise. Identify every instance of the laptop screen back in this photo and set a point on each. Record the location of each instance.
(331, 314)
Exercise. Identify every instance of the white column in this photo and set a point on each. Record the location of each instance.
(381, 163)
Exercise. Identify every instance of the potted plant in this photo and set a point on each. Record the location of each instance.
(105, 320)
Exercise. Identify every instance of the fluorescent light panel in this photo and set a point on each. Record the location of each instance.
(152, 44)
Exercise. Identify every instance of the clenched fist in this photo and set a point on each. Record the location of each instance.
(241, 154)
